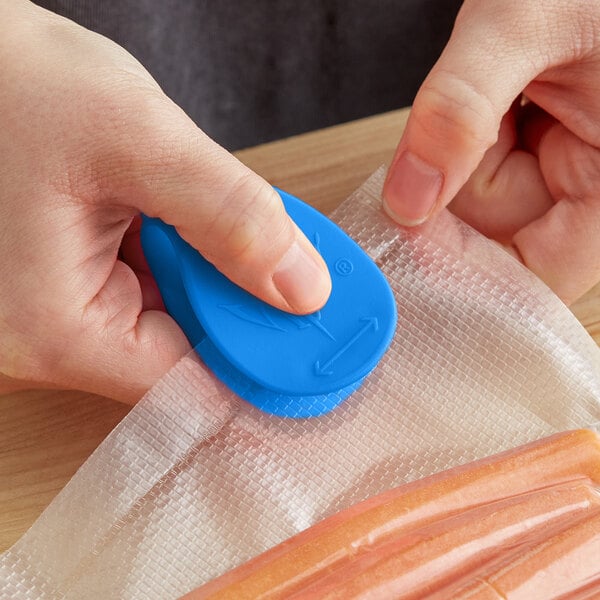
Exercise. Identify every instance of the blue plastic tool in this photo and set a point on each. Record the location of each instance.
(288, 365)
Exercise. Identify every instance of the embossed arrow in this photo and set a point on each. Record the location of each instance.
(325, 368)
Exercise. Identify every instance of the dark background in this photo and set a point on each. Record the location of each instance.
(253, 71)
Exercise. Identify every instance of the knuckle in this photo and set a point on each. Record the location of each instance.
(252, 221)
(455, 110)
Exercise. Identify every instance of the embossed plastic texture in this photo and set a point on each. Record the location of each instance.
(288, 365)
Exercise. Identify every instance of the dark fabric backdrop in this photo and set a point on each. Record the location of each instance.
(252, 71)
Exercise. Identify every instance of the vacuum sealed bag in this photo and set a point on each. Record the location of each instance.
(195, 481)
(520, 525)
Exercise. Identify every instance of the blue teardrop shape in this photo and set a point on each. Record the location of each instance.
(290, 365)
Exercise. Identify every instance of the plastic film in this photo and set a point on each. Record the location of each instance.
(503, 518)
(195, 481)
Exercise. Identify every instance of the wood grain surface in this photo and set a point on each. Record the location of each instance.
(46, 435)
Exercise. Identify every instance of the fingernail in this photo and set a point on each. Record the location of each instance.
(301, 277)
(412, 189)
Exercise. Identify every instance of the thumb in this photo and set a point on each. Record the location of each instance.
(495, 50)
(226, 211)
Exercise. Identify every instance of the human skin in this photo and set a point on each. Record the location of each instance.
(527, 176)
(87, 142)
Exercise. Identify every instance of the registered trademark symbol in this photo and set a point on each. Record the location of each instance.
(343, 267)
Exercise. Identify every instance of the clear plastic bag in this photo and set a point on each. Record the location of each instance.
(523, 524)
(195, 481)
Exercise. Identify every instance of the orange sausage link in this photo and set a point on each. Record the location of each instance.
(300, 560)
(418, 563)
(567, 565)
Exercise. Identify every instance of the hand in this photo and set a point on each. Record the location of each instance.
(526, 174)
(87, 142)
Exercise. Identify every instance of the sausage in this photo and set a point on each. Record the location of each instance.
(330, 544)
(416, 564)
(566, 565)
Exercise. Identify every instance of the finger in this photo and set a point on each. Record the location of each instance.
(226, 211)
(507, 190)
(495, 50)
(121, 350)
(562, 247)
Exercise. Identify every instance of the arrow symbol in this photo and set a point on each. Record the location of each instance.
(261, 318)
(325, 368)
